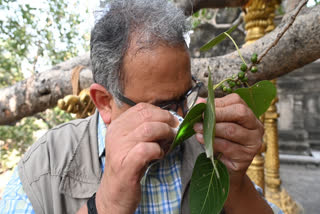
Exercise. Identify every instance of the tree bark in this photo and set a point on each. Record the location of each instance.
(41, 91)
(192, 6)
(290, 5)
(299, 46)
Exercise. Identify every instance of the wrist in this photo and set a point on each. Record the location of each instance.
(238, 188)
(100, 203)
(245, 199)
(106, 202)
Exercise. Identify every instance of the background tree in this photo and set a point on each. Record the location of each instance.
(33, 37)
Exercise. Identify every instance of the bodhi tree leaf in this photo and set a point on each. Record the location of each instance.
(259, 96)
(208, 192)
(209, 122)
(186, 128)
(210, 178)
(217, 39)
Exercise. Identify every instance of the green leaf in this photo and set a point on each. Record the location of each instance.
(259, 96)
(208, 192)
(209, 122)
(186, 128)
(217, 39)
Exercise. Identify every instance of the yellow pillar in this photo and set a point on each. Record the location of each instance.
(265, 171)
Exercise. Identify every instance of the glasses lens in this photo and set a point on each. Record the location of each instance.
(192, 98)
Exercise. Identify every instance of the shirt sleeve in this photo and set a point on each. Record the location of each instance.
(14, 199)
(275, 208)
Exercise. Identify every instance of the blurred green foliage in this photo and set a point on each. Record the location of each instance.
(31, 37)
(200, 17)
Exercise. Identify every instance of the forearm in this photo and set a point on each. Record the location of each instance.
(245, 199)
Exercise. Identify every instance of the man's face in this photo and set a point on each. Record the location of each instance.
(155, 75)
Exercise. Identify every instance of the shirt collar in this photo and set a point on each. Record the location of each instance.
(102, 128)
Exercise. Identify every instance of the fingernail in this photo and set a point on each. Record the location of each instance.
(198, 127)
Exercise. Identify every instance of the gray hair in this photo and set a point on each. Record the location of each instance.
(156, 21)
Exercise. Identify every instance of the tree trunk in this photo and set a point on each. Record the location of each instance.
(299, 46)
(192, 6)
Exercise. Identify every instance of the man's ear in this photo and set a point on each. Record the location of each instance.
(102, 100)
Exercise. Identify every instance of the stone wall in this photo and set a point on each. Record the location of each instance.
(299, 108)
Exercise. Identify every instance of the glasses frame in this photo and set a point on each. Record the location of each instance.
(165, 105)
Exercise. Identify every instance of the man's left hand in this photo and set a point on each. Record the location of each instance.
(238, 136)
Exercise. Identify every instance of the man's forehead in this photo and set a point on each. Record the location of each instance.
(157, 74)
(155, 58)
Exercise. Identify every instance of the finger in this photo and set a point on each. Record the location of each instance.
(200, 138)
(240, 114)
(201, 100)
(144, 112)
(230, 99)
(158, 132)
(233, 166)
(233, 151)
(238, 134)
(139, 157)
(198, 127)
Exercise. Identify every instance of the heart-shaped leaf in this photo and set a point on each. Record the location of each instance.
(217, 39)
(208, 192)
(259, 96)
(209, 122)
(186, 128)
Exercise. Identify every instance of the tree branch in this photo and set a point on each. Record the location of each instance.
(298, 47)
(280, 34)
(42, 90)
(237, 21)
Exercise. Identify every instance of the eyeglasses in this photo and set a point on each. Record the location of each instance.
(185, 102)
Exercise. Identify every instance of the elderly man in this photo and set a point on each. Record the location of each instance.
(141, 70)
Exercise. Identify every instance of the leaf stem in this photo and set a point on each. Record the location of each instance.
(235, 44)
(220, 83)
(219, 156)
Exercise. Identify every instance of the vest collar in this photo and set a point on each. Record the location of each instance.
(82, 176)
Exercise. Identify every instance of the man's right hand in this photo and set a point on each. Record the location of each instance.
(139, 135)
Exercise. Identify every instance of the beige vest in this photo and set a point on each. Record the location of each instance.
(61, 171)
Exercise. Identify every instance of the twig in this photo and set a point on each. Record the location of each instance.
(218, 26)
(280, 34)
(235, 44)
